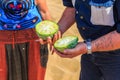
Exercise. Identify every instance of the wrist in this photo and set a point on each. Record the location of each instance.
(88, 46)
(60, 28)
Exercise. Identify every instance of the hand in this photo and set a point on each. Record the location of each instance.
(51, 41)
(70, 53)
(42, 41)
(55, 37)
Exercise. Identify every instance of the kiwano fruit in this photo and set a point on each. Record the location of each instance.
(46, 29)
(67, 42)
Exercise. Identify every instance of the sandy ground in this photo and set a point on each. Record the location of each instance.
(60, 68)
(56, 8)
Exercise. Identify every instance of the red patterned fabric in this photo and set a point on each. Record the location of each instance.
(35, 70)
(19, 36)
(3, 65)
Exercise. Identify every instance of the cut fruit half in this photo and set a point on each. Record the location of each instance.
(46, 29)
(67, 42)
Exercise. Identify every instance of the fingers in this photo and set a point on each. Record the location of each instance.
(42, 41)
(69, 51)
(56, 36)
(59, 34)
(49, 40)
(62, 54)
(51, 49)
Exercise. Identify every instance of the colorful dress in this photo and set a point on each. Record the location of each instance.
(21, 55)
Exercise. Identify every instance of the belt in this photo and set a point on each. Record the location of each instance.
(18, 36)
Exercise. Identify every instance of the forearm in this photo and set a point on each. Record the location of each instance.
(108, 42)
(45, 15)
(67, 19)
(43, 9)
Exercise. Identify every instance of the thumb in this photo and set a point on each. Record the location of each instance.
(68, 51)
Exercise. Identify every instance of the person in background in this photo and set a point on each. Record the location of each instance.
(99, 26)
(22, 57)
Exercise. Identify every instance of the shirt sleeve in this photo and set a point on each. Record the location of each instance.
(118, 27)
(67, 3)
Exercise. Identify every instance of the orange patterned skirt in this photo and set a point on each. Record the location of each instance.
(20, 56)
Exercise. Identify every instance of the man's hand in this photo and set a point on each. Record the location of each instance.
(70, 53)
(51, 41)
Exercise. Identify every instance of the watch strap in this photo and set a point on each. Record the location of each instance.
(89, 47)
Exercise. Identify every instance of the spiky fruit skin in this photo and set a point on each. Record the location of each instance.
(46, 29)
(67, 42)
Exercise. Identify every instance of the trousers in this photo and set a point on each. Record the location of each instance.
(100, 66)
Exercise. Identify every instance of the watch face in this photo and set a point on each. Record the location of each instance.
(89, 47)
(15, 9)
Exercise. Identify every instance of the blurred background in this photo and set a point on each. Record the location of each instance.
(62, 68)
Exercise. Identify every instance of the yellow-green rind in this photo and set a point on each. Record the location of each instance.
(67, 42)
(46, 29)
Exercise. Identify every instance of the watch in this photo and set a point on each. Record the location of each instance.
(89, 47)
